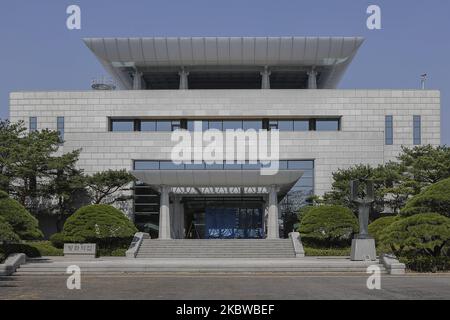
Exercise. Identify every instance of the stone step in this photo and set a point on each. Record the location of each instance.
(216, 248)
(34, 270)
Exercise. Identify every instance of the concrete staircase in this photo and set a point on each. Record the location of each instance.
(216, 249)
(104, 266)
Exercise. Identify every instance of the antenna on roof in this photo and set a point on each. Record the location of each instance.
(103, 84)
(423, 80)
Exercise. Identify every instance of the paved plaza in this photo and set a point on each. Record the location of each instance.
(235, 286)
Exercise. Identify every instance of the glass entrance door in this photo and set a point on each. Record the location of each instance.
(233, 223)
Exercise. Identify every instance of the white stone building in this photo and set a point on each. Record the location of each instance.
(229, 83)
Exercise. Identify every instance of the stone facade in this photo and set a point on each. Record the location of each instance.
(361, 139)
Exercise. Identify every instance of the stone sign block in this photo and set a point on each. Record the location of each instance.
(80, 250)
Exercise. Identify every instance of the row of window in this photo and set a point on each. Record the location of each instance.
(33, 122)
(417, 130)
(169, 165)
(125, 125)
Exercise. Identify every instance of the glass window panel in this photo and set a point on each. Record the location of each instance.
(33, 124)
(305, 182)
(232, 166)
(286, 125)
(327, 125)
(273, 125)
(250, 166)
(301, 164)
(60, 127)
(248, 124)
(176, 125)
(214, 166)
(195, 166)
(146, 165)
(417, 130)
(147, 125)
(232, 125)
(202, 125)
(215, 125)
(169, 165)
(163, 125)
(122, 125)
(389, 130)
(301, 125)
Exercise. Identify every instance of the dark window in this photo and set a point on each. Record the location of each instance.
(218, 125)
(146, 165)
(286, 125)
(232, 125)
(301, 125)
(389, 130)
(327, 125)
(417, 123)
(250, 124)
(232, 166)
(165, 126)
(214, 166)
(203, 125)
(33, 124)
(195, 166)
(122, 125)
(273, 125)
(60, 127)
(147, 125)
(176, 125)
(169, 165)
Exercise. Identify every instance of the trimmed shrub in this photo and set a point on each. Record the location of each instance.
(378, 226)
(104, 225)
(99, 222)
(328, 226)
(45, 248)
(23, 223)
(435, 198)
(7, 233)
(30, 251)
(420, 241)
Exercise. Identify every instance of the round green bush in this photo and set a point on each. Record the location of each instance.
(328, 226)
(7, 233)
(97, 223)
(379, 225)
(435, 198)
(421, 241)
(23, 223)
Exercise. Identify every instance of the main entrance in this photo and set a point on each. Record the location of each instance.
(228, 220)
(226, 204)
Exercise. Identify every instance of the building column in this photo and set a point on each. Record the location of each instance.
(265, 83)
(137, 80)
(273, 229)
(265, 213)
(312, 79)
(182, 233)
(177, 216)
(184, 83)
(164, 214)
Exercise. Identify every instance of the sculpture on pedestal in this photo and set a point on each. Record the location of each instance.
(363, 245)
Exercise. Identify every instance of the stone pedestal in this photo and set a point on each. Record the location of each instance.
(363, 250)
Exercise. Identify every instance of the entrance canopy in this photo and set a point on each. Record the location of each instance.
(203, 182)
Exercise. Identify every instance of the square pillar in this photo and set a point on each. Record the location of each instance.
(177, 218)
(273, 228)
(164, 215)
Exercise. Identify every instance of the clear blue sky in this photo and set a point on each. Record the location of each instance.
(37, 52)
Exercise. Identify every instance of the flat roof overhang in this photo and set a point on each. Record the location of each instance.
(330, 55)
(218, 182)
